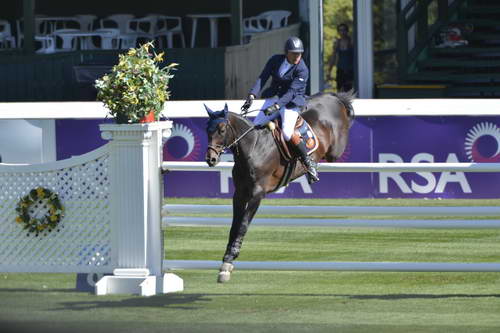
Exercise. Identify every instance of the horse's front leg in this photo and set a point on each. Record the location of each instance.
(243, 212)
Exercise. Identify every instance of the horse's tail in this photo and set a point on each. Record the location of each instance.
(346, 99)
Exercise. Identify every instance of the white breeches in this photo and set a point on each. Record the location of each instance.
(289, 117)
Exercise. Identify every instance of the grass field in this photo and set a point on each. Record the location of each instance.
(267, 301)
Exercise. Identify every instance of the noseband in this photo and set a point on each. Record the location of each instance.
(218, 149)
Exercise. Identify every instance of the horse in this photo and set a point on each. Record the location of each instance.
(258, 164)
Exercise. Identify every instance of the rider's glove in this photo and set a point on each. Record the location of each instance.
(248, 102)
(271, 109)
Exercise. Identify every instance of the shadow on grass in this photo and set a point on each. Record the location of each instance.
(376, 297)
(188, 301)
(37, 290)
(174, 301)
(420, 296)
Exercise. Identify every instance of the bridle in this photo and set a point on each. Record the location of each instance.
(219, 149)
(245, 112)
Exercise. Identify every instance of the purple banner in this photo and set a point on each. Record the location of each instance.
(377, 139)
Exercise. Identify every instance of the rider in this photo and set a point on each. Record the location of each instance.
(285, 97)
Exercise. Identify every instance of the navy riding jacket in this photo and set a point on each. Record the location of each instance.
(290, 89)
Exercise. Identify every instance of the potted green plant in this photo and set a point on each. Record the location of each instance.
(136, 88)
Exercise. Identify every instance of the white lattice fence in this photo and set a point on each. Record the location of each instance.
(112, 200)
(82, 242)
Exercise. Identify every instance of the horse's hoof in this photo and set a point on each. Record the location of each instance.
(225, 272)
(223, 277)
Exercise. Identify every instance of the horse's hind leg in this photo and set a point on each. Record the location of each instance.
(243, 212)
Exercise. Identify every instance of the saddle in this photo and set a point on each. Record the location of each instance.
(302, 130)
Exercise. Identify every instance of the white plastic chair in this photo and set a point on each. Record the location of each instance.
(254, 24)
(86, 22)
(144, 27)
(265, 21)
(276, 18)
(166, 28)
(69, 42)
(124, 39)
(116, 21)
(6, 36)
(47, 43)
(110, 38)
(42, 28)
(65, 22)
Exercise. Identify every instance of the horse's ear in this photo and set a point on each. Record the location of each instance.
(209, 111)
(226, 110)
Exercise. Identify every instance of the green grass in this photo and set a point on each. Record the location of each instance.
(265, 302)
(337, 244)
(269, 301)
(345, 202)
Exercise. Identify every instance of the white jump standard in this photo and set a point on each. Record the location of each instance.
(112, 199)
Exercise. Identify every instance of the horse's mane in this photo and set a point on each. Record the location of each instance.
(346, 99)
(241, 117)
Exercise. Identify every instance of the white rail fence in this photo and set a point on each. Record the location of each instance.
(179, 221)
(320, 211)
(353, 167)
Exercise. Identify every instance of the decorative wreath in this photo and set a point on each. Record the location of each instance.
(50, 201)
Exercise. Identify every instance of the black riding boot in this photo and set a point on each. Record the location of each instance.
(309, 163)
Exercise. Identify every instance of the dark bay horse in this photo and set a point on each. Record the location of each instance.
(258, 165)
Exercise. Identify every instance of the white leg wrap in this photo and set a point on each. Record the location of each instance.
(225, 272)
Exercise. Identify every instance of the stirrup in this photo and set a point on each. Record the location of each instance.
(312, 171)
(312, 177)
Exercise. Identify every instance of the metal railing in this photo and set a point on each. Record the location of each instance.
(417, 22)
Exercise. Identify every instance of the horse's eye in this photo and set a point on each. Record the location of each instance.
(222, 129)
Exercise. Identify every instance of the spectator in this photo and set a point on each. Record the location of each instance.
(343, 58)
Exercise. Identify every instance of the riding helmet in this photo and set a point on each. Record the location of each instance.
(294, 44)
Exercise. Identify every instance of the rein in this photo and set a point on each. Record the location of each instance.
(245, 112)
(251, 128)
(218, 149)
